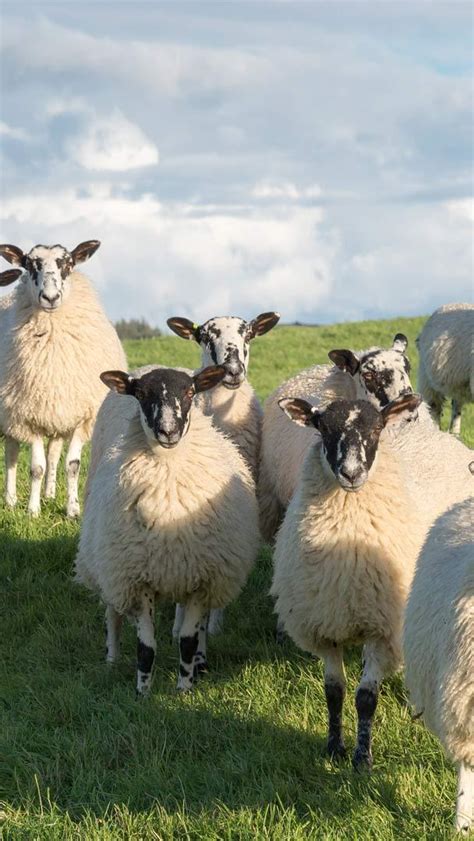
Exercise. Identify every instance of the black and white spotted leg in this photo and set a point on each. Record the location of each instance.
(335, 690)
(73, 463)
(146, 642)
(200, 658)
(12, 449)
(52, 460)
(194, 615)
(113, 626)
(375, 659)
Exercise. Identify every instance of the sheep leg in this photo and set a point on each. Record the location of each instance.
(73, 463)
(113, 626)
(465, 798)
(12, 448)
(376, 658)
(194, 615)
(178, 620)
(216, 621)
(37, 470)
(200, 658)
(146, 642)
(54, 454)
(455, 425)
(335, 690)
(280, 633)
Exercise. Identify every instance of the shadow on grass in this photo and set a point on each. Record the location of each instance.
(71, 730)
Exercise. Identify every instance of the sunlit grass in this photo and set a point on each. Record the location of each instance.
(243, 757)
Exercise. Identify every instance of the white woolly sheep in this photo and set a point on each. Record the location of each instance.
(378, 375)
(171, 511)
(439, 644)
(233, 406)
(446, 348)
(346, 551)
(55, 339)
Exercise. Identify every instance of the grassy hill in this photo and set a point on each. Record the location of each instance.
(241, 758)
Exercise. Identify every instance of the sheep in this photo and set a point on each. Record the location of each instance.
(171, 511)
(54, 341)
(439, 644)
(346, 551)
(446, 348)
(233, 406)
(378, 375)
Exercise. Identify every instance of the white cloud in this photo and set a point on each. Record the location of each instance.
(285, 190)
(14, 133)
(112, 143)
(190, 260)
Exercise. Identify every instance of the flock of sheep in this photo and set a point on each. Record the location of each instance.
(369, 505)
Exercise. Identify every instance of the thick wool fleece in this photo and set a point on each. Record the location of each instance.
(178, 520)
(238, 414)
(439, 632)
(343, 562)
(51, 362)
(446, 348)
(435, 464)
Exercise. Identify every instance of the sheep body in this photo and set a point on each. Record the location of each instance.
(439, 638)
(49, 374)
(172, 522)
(446, 348)
(239, 415)
(343, 562)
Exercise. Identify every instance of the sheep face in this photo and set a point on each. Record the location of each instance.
(46, 270)
(165, 396)
(350, 432)
(381, 375)
(226, 341)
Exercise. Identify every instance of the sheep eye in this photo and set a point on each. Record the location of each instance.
(190, 393)
(369, 376)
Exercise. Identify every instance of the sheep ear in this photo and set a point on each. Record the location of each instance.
(119, 381)
(400, 343)
(401, 408)
(184, 327)
(208, 377)
(12, 254)
(9, 276)
(84, 250)
(345, 360)
(262, 324)
(300, 411)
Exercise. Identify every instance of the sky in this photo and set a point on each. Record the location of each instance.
(313, 158)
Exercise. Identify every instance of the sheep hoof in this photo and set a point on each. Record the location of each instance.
(34, 510)
(336, 749)
(362, 760)
(73, 509)
(50, 493)
(184, 685)
(11, 501)
(201, 667)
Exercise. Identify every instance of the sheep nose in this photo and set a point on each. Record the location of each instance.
(352, 475)
(51, 299)
(234, 367)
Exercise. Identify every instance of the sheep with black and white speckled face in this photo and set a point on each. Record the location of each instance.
(170, 512)
(55, 339)
(345, 553)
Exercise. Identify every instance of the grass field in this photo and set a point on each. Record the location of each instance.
(240, 758)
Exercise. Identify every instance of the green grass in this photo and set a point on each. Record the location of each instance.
(243, 757)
